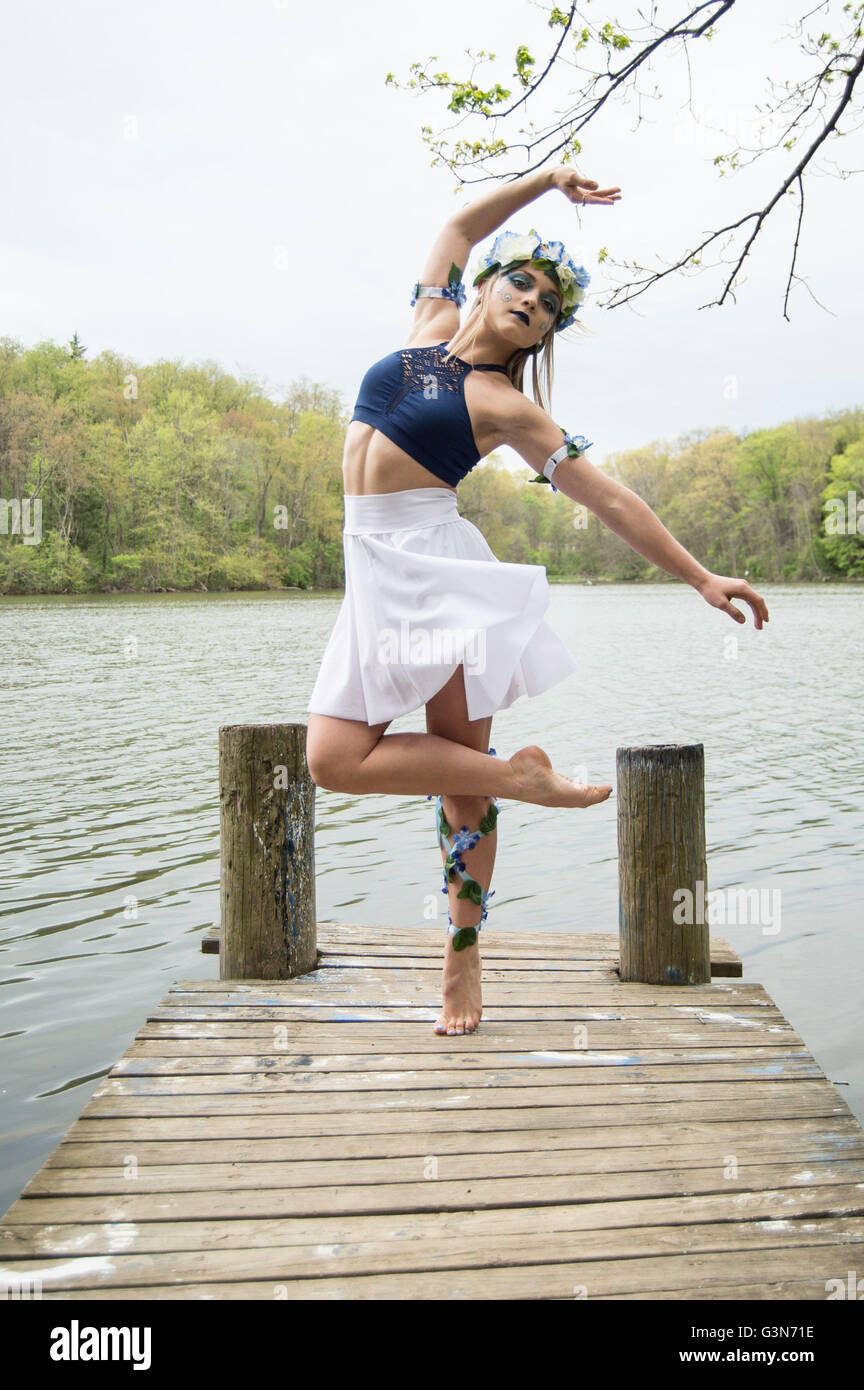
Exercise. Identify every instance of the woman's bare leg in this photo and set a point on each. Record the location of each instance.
(462, 1004)
(347, 755)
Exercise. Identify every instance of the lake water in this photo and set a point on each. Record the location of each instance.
(110, 818)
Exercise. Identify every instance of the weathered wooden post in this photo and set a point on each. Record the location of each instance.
(267, 881)
(662, 882)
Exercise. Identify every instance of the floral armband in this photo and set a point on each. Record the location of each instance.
(454, 289)
(573, 446)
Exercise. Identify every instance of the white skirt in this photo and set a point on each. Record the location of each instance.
(424, 594)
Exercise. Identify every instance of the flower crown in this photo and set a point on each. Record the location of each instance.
(512, 248)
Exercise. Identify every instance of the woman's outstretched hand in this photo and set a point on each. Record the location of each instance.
(580, 190)
(718, 589)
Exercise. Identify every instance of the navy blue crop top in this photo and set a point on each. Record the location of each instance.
(417, 399)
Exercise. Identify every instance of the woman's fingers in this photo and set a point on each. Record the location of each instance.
(603, 195)
(760, 612)
(756, 602)
(721, 590)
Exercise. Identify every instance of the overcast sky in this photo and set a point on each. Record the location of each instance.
(235, 181)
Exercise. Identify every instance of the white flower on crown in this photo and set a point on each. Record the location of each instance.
(511, 246)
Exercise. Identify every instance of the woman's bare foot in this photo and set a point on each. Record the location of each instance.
(462, 1005)
(540, 784)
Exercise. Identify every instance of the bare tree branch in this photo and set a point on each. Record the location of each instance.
(800, 101)
(760, 216)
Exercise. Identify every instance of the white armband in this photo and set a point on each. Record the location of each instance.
(454, 290)
(573, 446)
(553, 461)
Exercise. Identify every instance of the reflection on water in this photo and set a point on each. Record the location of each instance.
(109, 836)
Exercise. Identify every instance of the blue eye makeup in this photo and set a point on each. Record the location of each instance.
(520, 281)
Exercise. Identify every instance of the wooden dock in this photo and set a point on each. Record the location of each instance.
(311, 1138)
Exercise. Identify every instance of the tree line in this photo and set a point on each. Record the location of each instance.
(177, 477)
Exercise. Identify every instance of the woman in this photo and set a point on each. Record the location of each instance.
(430, 616)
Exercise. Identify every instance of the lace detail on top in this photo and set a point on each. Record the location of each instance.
(425, 369)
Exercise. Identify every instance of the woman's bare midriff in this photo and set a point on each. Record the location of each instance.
(372, 463)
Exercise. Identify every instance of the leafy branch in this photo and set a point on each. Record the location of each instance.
(614, 62)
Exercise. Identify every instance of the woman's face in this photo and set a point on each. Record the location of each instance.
(524, 304)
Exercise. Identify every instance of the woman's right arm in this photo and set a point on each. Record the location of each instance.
(472, 224)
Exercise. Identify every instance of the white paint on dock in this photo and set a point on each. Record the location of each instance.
(81, 1264)
(705, 1016)
(122, 1236)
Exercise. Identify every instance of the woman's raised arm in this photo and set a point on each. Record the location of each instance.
(472, 224)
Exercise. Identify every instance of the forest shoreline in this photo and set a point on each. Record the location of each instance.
(846, 581)
(174, 478)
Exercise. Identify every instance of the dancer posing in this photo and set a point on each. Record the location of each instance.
(430, 615)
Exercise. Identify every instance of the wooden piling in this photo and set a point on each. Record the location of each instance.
(267, 882)
(661, 859)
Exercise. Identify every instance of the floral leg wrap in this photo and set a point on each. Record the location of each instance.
(463, 840)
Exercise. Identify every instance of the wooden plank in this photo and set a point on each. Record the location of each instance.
(687, 1030)
(217, 1161)
(563, 1085)
(381, 937)
(25, 1237)
(585, 1279)
(821, 1238)
(724, 960)
(348, 952)
(159, 1118)
(200, 1172)
(424, 1014)
(181, 1041)
(396, 987)
(227, 1094)
(197, 1057)
(87, 1138)
(444, 1194)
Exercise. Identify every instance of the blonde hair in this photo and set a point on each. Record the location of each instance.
(541, 356)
